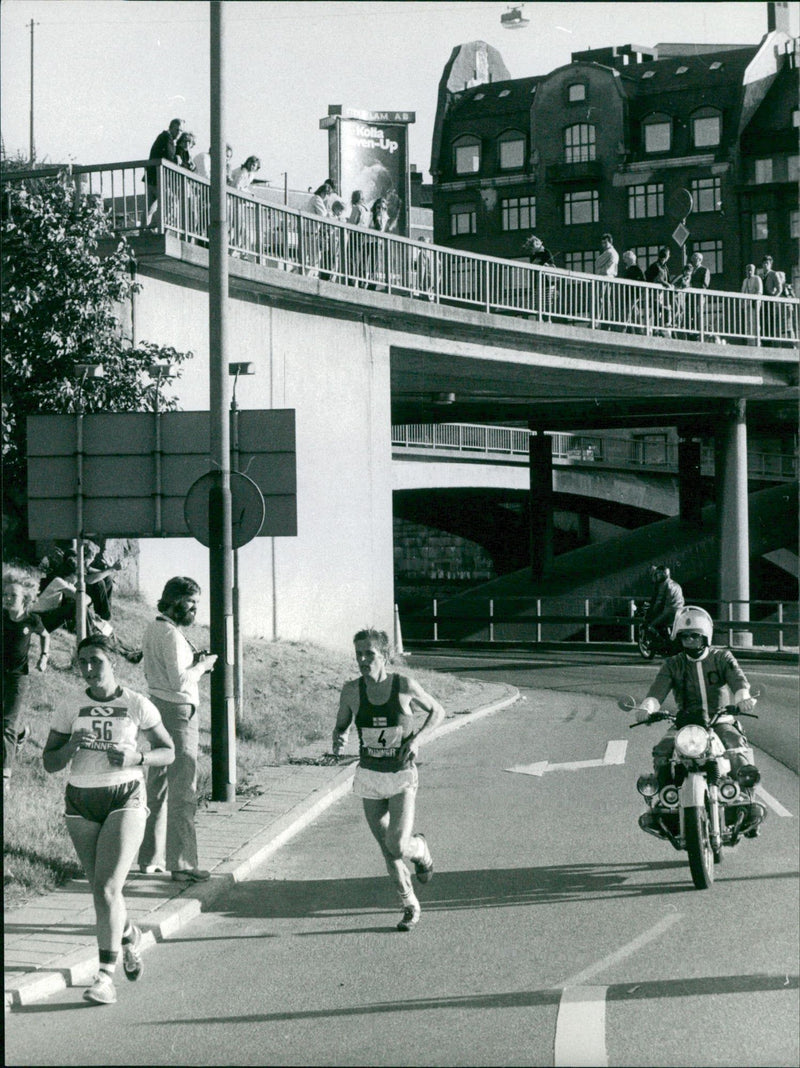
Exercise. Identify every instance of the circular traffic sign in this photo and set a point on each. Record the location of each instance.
(247, 508)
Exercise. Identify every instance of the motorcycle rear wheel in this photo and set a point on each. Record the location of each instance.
(645, 643)
(698, 846)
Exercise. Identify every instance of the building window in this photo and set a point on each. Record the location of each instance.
(577, 92)
(579, 143)
(581, 207)
(796, 117)
(658, 134)
(763, 171)
(580, 261)
(645, 201)
(467, 155)
(646, 254)
(463, 219)
(793, 168)
(512, 151)
(707, 194)
(712, 254)
(794, 223)
(519, 213)
(760, 225)
(706, 131)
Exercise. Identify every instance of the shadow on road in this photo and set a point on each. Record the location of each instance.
(704, 986)
(451, 890)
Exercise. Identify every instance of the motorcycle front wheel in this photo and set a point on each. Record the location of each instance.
(698, 846)
(645, 643)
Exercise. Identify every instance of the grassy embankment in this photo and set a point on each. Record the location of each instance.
(290, 701)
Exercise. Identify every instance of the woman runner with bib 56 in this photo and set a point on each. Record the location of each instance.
(106, 800)
(382, 705)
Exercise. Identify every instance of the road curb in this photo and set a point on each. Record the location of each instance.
(79, 967)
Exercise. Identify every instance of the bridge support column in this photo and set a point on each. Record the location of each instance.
(540, 461)
(733, 535)
(690, 487)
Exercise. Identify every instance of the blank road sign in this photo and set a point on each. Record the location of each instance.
(137, 468)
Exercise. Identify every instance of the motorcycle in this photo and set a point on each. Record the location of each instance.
(703, 807)
(649, 641)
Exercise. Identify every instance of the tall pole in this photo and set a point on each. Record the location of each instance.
(32, 142)
(223, 719)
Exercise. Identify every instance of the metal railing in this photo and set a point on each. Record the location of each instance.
(158, 196)
(478, 443)
(588, 620)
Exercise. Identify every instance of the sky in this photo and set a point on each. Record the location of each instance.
(110, 74)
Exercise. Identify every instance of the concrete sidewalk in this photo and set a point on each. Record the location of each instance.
(50, 943)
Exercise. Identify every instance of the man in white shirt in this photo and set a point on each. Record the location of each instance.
(173, 668)
(606, 265)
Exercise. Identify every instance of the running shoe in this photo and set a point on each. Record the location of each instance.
(424, 867)
(102, 991)
(411, 914)
(132, 956)
(23, 736)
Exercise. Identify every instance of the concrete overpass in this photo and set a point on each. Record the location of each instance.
(353, 362)
(473, 345)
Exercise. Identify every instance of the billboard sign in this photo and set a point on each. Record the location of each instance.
(368, 150)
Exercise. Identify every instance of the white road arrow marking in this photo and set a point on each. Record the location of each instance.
(614, 754)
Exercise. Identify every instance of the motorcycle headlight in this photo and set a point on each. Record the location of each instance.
(647, 785)
(728, 789)
(692, 741)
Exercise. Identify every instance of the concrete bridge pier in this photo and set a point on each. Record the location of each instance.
(540, 463)
(733, 535)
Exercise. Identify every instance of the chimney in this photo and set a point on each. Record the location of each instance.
(777, 16)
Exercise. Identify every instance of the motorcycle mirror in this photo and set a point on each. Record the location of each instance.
(626, 704)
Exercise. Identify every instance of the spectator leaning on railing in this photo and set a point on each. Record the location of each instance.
(164, 147)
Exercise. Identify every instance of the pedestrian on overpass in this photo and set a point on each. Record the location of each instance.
(382, 706)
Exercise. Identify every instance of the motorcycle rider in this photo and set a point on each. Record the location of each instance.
(666, 603)
(698, 677)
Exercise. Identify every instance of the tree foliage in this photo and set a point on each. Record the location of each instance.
(66, 278)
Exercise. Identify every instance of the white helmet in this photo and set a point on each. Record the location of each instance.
(693, 620)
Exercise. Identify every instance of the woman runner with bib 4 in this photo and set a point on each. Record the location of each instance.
(106, 800)
(382, 705)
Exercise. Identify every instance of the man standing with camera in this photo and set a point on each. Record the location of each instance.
(173, 668)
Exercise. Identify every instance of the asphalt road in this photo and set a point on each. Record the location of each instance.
(553, 931)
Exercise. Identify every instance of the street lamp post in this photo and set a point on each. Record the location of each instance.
(82, 371)
(237, 369)
(223, 721)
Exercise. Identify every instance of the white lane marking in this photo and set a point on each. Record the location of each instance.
(581, 1028)
(624, 951)
(581, 1020)
(614, 754)
(772, 803)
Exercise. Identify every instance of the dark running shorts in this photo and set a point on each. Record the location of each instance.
(96, 803)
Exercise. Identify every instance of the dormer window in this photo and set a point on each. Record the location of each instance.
(648, 74)
(706, 128)
(716, 65)
(479, 96)
(576, 93)
(657, 133)
(504, 92)
(681, 70)
(511, 150)
(467, 155)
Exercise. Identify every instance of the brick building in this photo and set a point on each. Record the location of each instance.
(613, 141)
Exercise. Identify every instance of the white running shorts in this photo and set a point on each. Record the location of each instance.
(380, 785)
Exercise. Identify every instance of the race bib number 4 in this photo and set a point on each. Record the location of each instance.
(382, 741)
